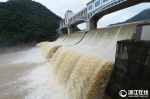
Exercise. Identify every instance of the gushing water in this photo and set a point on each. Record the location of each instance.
(65, 72)
(48, 49)
(26, 75)
(84, 76)
(67, 65)
(69, 74)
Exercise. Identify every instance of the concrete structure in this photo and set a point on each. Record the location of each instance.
(94, 10)
(132, 69)
(143, 32)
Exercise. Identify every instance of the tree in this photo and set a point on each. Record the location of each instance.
(26, 21)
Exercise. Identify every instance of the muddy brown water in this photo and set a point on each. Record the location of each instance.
(26, 75)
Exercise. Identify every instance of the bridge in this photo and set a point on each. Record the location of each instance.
(94, 10)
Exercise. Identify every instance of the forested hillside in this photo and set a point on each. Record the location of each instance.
(26, 21)
(144, 15)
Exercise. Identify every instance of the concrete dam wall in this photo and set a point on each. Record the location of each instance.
(70, 39)
(85, 68)
(101, 42)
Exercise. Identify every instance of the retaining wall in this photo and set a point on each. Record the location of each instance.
(132, 69)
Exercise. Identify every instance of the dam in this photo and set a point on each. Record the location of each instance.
(78, 65)
(85, 68)
(62, 70)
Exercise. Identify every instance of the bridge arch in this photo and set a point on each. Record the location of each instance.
(76, 22)
(91, 17)
(64, 30)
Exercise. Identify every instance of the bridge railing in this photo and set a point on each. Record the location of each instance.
(82, 17)
(104, 7)
(87, 16)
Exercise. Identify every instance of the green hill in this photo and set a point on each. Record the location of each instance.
(144, 15)
(26, 21)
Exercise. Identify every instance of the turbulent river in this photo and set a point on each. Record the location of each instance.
(62, 69)
(68, 74)
(26, 75)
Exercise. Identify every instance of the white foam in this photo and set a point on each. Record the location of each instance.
(30, 56)
(42, 84)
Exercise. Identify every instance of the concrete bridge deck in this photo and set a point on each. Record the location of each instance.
(91, 16)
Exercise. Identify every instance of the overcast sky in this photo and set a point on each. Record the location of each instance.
(59, 7)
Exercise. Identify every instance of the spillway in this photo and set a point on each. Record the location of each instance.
(70, 39)
(102, 42)
(85, 68)
(67, 71)
(84, 76)
(61, 38)
(48, 49)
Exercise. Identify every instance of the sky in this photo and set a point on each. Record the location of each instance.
(59, 7)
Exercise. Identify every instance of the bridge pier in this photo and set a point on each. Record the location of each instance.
(91, 24)
(71, 29)
(62, 31)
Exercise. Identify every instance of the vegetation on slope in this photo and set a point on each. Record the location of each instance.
(144, 15)
(26, 21)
